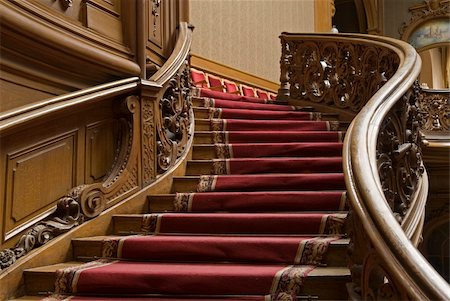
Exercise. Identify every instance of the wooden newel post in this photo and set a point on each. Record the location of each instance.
(283, 91)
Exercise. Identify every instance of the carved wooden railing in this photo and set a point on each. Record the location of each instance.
(375, 79)
(434, 105)
(155, 122)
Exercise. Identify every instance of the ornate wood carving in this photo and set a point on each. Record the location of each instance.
(88, 200)
(148, 141)
(400, 167)
(370, 279)
(155, 13)
(419, 13)
(66, 3)
(335, 73)
(66, 216)
(434, 107)
(174, 120)
(399, 153)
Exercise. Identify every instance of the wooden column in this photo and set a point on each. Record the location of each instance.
(323, 14)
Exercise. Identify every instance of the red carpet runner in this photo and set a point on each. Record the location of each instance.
(254, 228)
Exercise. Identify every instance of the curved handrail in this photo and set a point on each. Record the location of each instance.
(179, 54)
(373, 77)
(405, 263)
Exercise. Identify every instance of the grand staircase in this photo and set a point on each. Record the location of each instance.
(259, 215)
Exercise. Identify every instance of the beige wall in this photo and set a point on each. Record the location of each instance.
(395, 13)
(244, 33)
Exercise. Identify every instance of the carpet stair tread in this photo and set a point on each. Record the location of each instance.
(209, 137)
(258, 125)
(231, 104)
(260, 182)
(261, 208)
(264, 165)
(208, 113)
(225, 278)
(186, 248)
(265, 201)
(292, 223)
(259, 150)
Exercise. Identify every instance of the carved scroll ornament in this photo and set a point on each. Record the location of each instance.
(175, 119)
(86, 201)
(155, 12)
(400, 168)
(419, 13)
(370, 279)
(399, 152)
(435, 109)
(334, 73)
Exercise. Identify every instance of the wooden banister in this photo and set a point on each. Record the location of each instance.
(374, 79)
(153, 122)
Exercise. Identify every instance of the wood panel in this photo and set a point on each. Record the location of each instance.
(101, 139)
(162, 19)
(45, 159)
(36, 177)
(54, 47)
(104, 17)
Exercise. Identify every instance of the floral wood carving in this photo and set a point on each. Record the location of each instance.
(175, 119)
(87, 201)
(155, 12)
(66, 3)
(435, 109)
(399, 152)
(370, 280)
(429, 9)
(148, 141)
(335, 73)
(66, 216)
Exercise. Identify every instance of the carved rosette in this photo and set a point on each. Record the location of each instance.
(340, 74)
(175, 119)
(435, 109)
(88, 200)
(399, 153)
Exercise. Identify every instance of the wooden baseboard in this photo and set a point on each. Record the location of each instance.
(231, 73)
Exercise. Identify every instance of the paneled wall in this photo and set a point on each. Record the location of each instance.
(244, 33)
(43, 162)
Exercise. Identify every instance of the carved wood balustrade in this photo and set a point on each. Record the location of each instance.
(434, 105)
(372, 79)
(155, 129)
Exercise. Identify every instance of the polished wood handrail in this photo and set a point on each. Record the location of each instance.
(179, 55)
(408, 268)
(338, 70)
(39, 109)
